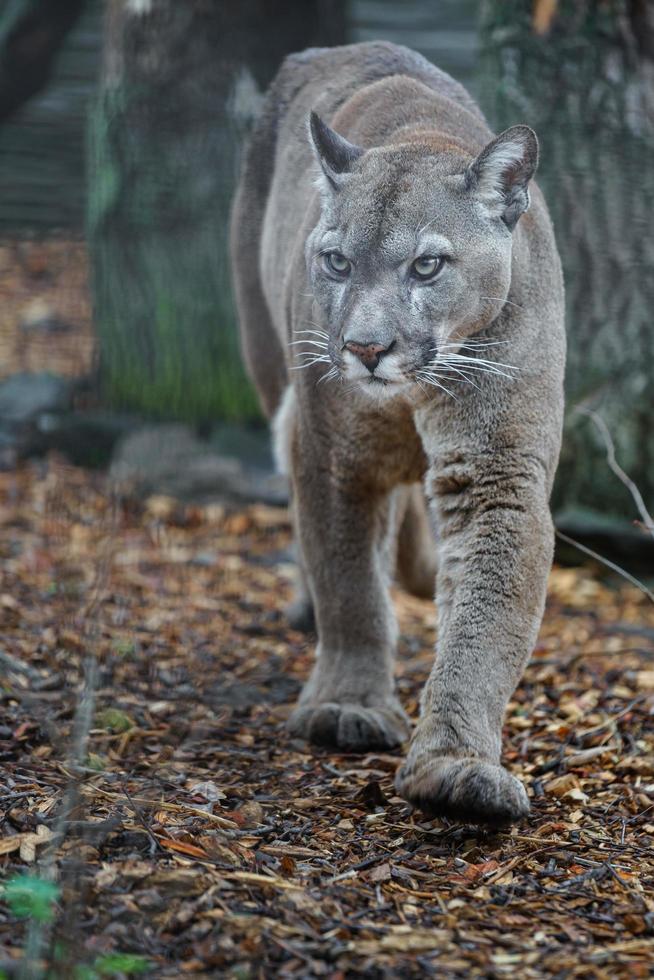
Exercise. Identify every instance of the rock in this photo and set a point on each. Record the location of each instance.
(24, 400)
(87, 438)
(25, 396)
(170, 460)
(249, 444)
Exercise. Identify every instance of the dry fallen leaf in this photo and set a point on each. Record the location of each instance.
(30, 842)
(182, 847)
(380, 873)
(560, 786)
(274, 857)
(475, 871)
(208, 790)
(645, 680)
(576, 795)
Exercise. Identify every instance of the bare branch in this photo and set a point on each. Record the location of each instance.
(609, 564)
(602, 428)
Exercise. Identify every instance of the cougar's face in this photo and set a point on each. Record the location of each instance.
(407, 263)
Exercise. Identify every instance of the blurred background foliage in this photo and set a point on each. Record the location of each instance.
(162, 94)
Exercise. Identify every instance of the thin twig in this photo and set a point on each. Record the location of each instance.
(610, 721)
(142, 818)
(17, 666)
(609, 564)
(603, 430)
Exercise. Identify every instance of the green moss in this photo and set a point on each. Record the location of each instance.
(164, 314)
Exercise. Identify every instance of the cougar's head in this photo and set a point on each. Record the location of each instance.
(411, 256)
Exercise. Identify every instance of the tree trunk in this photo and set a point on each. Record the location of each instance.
(31, 34)
(581, 73)
(179, 83)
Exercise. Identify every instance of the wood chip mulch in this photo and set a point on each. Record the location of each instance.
(197, 834)
(45, 308)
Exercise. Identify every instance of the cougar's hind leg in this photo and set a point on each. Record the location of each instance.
(416, 546)
(299, 612)
(344, 528)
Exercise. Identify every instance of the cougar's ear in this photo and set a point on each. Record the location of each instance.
(501, 173)
(335, 154)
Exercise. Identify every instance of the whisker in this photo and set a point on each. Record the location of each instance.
(487, 368)
(480, 370)
(317, 333)
(443, 356)
(456, 348)
(316, 360)
(315, 343)
(478, 360)
(430, 379)
(466, 378)
(498, 299)
(435, 384)
(421, 228)
(332, 373)
(464, 359)
(472, 344)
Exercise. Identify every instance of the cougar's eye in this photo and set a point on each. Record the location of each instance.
(337, 263)
(426, 266)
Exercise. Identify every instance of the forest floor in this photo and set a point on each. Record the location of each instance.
(189, 830)
(45, 308)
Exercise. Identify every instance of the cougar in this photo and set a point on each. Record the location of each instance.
(401, 306)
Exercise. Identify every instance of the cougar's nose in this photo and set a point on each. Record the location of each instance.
(368, 353)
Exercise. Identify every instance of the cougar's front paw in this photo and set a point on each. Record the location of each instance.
(465, 788)
(349, 726)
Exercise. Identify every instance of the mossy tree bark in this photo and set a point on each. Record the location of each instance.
(581, 73)
(179, 82)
